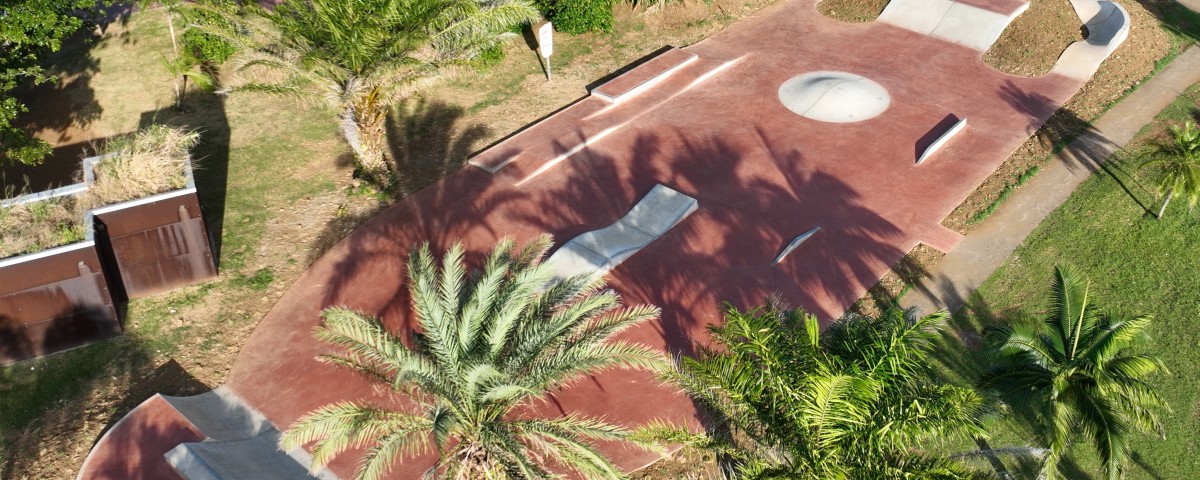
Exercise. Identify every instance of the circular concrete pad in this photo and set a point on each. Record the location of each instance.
(836, 97)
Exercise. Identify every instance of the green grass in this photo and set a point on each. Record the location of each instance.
(1137, 265)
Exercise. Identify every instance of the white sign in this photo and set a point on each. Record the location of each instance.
(546, 40)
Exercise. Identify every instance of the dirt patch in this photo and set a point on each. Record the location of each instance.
(687, 463)
(909, 271)
(853, 11)
(1127, 68)
(1034, 41)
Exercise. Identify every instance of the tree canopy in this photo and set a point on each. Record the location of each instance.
(29, 29)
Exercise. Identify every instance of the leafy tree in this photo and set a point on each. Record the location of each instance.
(362, 56)
(1178, 162)
(852, 403)
(28, 31)
(1077, 373)
(490, 344)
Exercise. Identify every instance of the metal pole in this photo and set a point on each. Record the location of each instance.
(547, 69)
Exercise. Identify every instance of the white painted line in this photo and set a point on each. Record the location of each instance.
(646, 84)
(563, 156)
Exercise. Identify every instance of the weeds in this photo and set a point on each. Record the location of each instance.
(31, 227)
(147, 163)
(1008, 190)
(259, 281)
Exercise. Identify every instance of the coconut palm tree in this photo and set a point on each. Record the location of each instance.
(489, 343)
(362, 56)
(1178, 162)
(852, 403)
(1076, 371)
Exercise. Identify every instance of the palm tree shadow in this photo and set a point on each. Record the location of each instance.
(745, 218)
(1072, 138)
(426, 142)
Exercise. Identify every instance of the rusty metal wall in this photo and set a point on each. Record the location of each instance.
(53, 303)
(157, 246)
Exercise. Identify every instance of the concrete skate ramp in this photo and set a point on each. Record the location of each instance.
(1107, 25)
(257, 458)
(966, 25)
(221, 415)
(600, 251)
(835, 97)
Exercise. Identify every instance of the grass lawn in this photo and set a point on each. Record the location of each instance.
(1136, 265)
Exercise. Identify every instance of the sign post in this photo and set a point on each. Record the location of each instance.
(546, 44)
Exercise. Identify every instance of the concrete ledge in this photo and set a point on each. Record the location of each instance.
(642, 77)
(942, 140)
(599, 251)
(1107, 25)
(791, 246)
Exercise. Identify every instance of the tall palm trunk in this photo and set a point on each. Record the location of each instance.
(364, 127)
(1163, 209)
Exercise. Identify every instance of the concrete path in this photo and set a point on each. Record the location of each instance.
(1192, 4)
(984, 249)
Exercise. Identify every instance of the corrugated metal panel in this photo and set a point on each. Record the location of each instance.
(54, 303)
(160, 245)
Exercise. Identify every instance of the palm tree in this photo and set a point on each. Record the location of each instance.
(490, 343)
(1179, 164)
(852, 403)
(1076, 371)
(362, 56)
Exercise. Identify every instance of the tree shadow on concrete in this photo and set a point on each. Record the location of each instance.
(724, 251)
(210, 159)
(1075, 140)
(426, 144)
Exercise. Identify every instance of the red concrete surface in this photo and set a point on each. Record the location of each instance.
(133, 449)
(761, 174)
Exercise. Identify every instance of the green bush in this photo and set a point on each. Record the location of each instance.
(579, 16)
(208, 48)
(489, 56)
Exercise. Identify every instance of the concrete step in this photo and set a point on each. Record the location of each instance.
(549, 151)
(643, 77)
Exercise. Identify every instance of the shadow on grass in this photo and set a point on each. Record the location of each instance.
(1074, 140)
(42, 405)
(1175, 17)
(205, 113)
(426, 142)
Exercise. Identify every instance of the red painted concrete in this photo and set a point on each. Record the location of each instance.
(134, 448)
(761, 174)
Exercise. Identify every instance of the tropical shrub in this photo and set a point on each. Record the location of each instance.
(579, 16)
(1075, 369)
(489, 344)
(856, 402)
